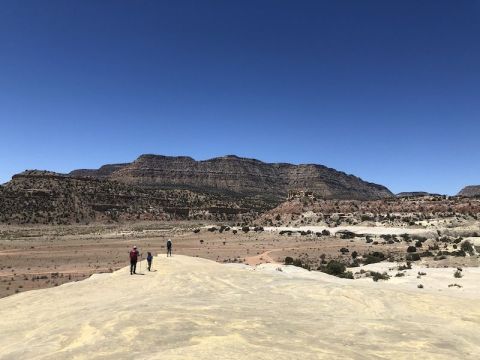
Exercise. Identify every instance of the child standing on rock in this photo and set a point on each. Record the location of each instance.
(149, 260)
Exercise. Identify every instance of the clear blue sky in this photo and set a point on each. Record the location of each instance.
(386, 90)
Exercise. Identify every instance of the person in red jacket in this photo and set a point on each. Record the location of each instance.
(133, 260)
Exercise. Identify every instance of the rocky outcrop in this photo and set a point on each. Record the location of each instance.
(233, 175)
(49, 198)
(395, 212)
(157, 187)
(416, 194)
(104, 172)
(470, 191)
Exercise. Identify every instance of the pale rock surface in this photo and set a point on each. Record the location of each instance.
(192, 308)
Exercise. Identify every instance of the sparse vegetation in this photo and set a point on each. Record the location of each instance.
(336, 268)
(378, 276)
(373, 258)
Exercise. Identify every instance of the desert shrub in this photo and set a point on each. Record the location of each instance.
(234, 231)
(355, 263)
(411, 249)
(245, 229)
(379, 276)
(458, 253)
(418, 244)
(196, 231)
(412, 257)
(426, 254)
(297, 262)
(456, 285)
(354, 255)
(288, 260)
(467, 247)
(405, 237)
(258, 228)
(336, 268)
(325, 233)
(344, 250)
(345, 234)
(212, 229)
(457, 274)
(368, 239)
(399, 274)
(373, 258)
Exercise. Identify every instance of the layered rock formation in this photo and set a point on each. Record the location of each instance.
(161, 188)
(415, 194)
(50, 198)
(470, 191)
(241, 176)
(398, 212)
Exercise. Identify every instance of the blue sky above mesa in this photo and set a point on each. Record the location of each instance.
(385, 90)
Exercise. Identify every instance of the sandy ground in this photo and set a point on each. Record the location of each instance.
(193, 308)
(39, 257)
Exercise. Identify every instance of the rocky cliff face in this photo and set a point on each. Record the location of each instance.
(240, 176)
(161, 188)
(48, 198)
(415, 194)
(104, 172)
(470, 191)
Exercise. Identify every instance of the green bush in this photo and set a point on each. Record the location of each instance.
(336, 268)
(412, 257)
(467, 247)
(373, 258)
(379, 276)
(405, 237)
(411, 249)
(297, 262)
